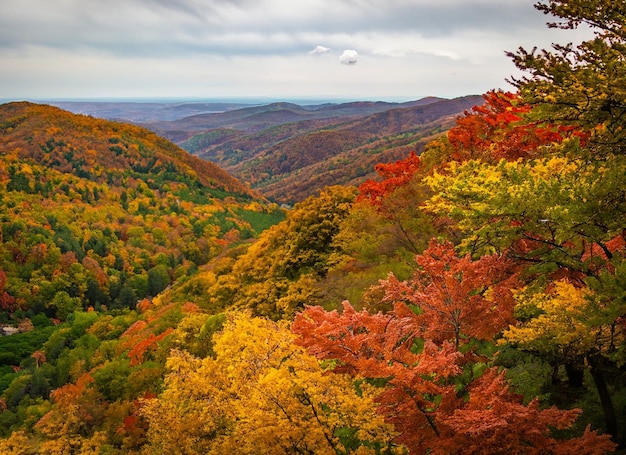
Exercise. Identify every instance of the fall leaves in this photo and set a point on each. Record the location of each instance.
(419, 378)
(515, 222)
(439, 391)
(261, 393)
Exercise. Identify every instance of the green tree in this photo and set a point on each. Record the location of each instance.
(158, 279)
(63, 304)
(581, 85)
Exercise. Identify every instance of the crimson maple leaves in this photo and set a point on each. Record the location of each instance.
(500, 129)
(429, 357)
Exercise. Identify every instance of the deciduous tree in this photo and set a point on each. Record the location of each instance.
(439, 401)
(261, 394)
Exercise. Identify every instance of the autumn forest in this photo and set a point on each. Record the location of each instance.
(470, 299)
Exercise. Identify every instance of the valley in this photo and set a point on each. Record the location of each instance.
(287, 151)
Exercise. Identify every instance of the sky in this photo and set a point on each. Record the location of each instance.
(391, 50)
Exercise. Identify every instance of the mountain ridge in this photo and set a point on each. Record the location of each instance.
(98, 215)
(37, 126)
(291, 160)
(250, 119)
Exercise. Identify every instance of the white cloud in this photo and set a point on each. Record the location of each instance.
(320, 50)
(349, 57)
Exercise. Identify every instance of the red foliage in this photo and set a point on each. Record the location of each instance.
(68, 394)
(459, 299)
(394, 175)
(496, 421)
(190, 307)
(602, 253)
(7, 302)
(136, 354)
(380, 346)
(499, 129)
(427, 394)
(144, 305)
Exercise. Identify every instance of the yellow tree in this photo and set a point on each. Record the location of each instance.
(262, 394)
(559, 327)
(563, 325)
(281, 271)
(17, 444)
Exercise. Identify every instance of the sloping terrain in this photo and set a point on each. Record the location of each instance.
(293, 159)
(145, 111)
(258, 118)
(288, 151)
(96, 149)
(96, 213)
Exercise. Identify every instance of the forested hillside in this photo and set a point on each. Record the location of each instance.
(98, 214)
(469, 300)
(289, 152)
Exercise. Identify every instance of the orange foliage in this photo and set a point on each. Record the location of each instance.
(189, 307)
(421, 394)
(459, 299)
(394, 175)
(606, 251)
(501, 129)
(136, 354)
(7, 302)
(40, 358)
(496, 421)
(414, 351)
(144, 305)
(66, 395)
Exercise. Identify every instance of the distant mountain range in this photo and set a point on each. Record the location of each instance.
(145, 111)
(288, 151)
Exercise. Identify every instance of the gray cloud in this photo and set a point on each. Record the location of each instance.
(223, 26)
(204, 43)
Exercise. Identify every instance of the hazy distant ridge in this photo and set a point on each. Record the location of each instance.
(287, 151)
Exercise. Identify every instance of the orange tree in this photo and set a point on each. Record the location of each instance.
(430, 357)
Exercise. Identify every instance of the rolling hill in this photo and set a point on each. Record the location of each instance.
(95, 213)
(288, 152)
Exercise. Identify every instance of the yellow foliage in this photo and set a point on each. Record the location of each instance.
(260, 394)
(17, 444)
(560, 327)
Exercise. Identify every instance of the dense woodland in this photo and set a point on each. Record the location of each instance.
(288, 152)
(470, 300)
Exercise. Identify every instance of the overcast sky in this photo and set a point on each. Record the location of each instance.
(278, 49)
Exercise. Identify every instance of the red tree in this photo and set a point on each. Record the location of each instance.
(436, 396)
(459, 299)
(501, 128)
(7, 302)
(393, 176)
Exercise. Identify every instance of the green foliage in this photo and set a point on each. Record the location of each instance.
(96, 217)
(581, 85)
(15, 348)
(112, 377)
(281, 272)
(261, 220)
(87, 222)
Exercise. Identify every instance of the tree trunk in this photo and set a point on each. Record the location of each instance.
(575, 375)
(599, 378)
